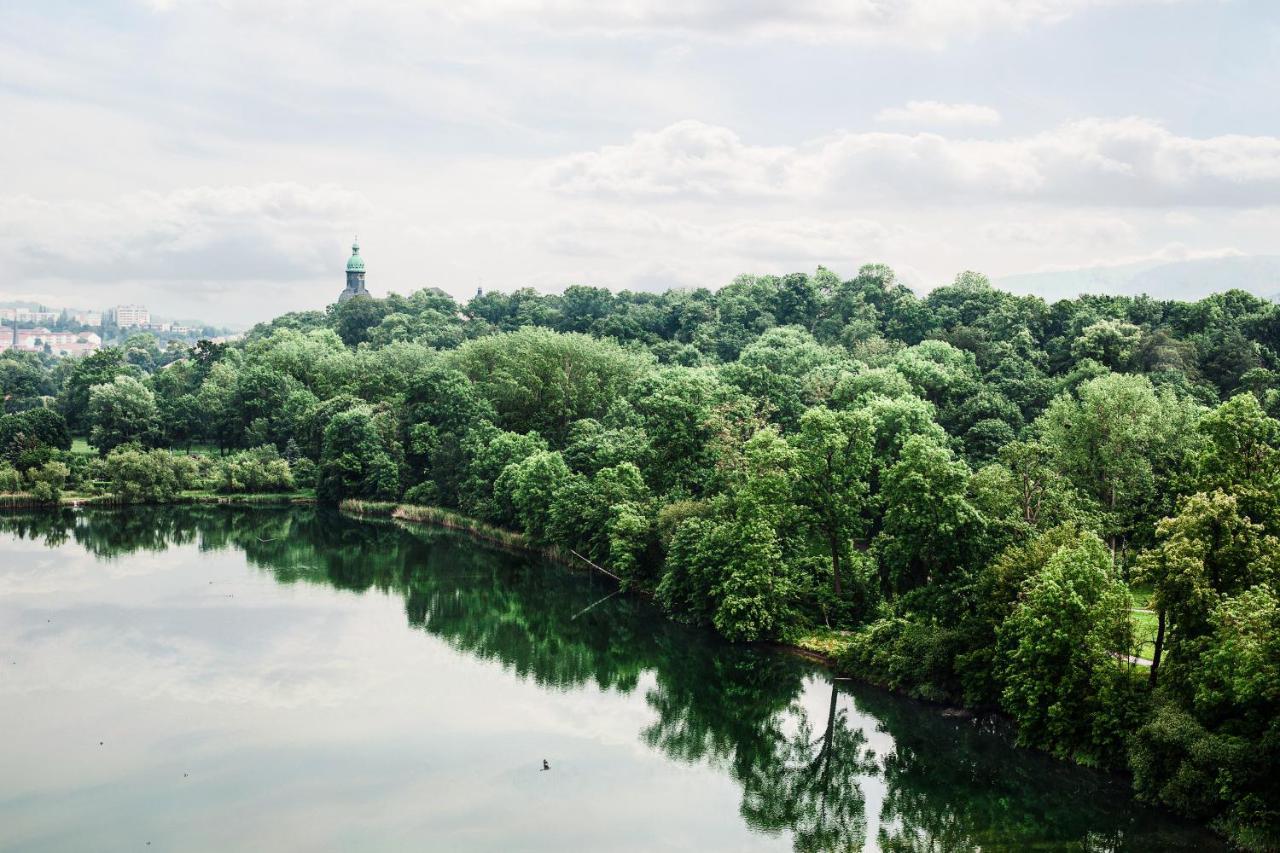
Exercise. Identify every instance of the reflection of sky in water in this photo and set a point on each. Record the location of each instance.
(307, 718)
(312, 718)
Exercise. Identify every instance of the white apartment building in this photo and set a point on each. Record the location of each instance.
(127, 316)
(26, 315)
(59, 343)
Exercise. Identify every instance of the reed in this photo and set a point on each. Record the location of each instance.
(419, 514)
(356, 506)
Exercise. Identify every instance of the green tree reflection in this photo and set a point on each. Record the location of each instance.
(802, 759)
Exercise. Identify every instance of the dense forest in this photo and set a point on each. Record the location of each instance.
(1067, 513)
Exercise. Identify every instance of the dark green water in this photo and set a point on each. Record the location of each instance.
(212, 679)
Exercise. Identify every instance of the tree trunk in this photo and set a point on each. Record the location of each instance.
(835, 567)
(1155, 656)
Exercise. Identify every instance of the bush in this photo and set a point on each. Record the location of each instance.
(304, 473)
(257, 470)
(10, 479)
(902, 654)
(138, 476)
(47, 481)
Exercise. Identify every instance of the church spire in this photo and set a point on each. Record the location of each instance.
(355, 274)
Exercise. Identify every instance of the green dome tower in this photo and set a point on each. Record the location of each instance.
(355, 274)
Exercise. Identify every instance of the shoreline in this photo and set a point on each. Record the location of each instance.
(819, 647)
(22, 500)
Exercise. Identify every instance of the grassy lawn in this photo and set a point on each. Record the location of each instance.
(1141, 593)
(199, 450)
(1144, 626)
(80, 445)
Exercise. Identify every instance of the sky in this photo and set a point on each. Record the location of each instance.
(214, 158)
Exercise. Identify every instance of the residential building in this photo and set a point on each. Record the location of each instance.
(129, 316)
(26, 315)
(59, 343)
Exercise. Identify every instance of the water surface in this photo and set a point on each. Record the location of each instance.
(211, 679)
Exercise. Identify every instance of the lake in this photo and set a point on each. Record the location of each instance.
(215, 678)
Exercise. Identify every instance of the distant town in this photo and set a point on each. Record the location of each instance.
(68, 332)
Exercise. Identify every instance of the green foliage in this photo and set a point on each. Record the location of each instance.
(929, 525)
(258, 470)
(135, 475)
(99, 368)
(487, 459)
(927, 477)
(121, 412)
(1066, 683)
(992, 593)
(902, 654)
(47, 481)
(304, 472)
(10, 479)
(1121, 443)
(780, 371)
(833, 460)
(354, 462)
(532, 486)
(542, 381)
(29, 439)
(733, 560)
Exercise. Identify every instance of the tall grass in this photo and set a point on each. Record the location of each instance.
(417, 514)
(356, 506)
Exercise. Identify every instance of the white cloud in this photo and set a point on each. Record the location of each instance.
(936, 112)
(685, 158)
(1181, 218)
(1083, 229)
(1168, 253)
(776, 242)
(274, 230)
(1128, 161)
(930, 23)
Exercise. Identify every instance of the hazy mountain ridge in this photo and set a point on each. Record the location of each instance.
(1185, 279)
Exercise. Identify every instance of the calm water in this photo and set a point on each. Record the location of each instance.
(220, 679)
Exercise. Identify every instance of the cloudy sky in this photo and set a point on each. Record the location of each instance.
(213, 158)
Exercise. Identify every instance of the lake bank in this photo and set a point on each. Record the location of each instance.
(330, 682)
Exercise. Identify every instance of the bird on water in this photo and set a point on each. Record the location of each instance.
(545, 765)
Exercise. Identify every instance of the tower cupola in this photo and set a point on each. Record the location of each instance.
(355, 274)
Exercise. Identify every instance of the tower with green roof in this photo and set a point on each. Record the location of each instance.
(355, 274)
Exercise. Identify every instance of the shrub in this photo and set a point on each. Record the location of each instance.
(304, 473)
(902, 654)
(47, 481)
(139, 476)
(257, 470)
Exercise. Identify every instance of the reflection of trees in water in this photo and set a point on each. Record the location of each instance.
(52, 527)
(810, 784)
(948, 786)
(801, 770)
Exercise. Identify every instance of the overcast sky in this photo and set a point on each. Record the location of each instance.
(213, 159)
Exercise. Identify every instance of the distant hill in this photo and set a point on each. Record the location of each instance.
(1187, 280)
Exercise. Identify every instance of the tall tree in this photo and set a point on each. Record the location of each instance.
(833, 459)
